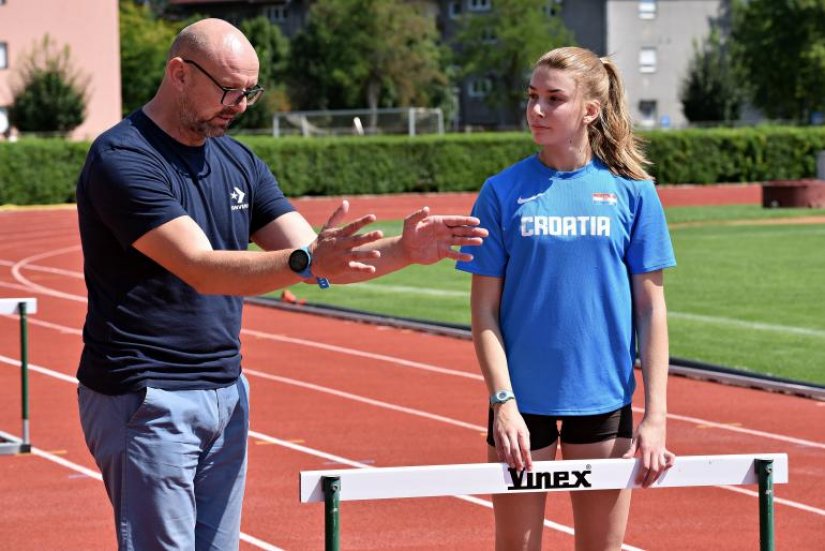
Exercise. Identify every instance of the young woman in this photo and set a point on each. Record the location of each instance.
(568, 279)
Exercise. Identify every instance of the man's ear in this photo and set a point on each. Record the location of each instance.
(176, 72)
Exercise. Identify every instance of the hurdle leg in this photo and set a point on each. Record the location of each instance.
(24, 375)
(332, 503)
(764, 471)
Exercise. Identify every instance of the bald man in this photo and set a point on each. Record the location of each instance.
(167, 206)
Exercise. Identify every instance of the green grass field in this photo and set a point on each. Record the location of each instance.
(744, 294)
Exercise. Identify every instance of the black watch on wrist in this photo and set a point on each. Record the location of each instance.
(300, 262)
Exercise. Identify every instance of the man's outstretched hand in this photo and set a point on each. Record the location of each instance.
(427, 238)
(335, 250)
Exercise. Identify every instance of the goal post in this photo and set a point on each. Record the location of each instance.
(411, 121)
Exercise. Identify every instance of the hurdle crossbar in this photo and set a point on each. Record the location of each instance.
(334, 486)
(9, 443)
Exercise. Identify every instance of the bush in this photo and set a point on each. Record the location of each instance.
(51, 96)
(36, 171)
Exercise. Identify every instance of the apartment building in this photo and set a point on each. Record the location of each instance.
(650, 40)
(90, 30)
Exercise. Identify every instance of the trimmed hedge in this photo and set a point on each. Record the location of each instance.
(36, 171)
(40, 171)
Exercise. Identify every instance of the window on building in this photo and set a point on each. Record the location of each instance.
(479, 87)
(488, 36)
(647, 60)
(552, 8)
(4, 59)
(454, 9)
(480, 5)
(276, 14)
(647, 9)
(648, 113)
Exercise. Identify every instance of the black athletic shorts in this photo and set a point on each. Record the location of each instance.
(575, 429)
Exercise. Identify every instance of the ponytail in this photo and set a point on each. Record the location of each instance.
(611, 135)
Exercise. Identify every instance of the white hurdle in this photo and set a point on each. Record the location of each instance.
(10, 444)
(333, 486)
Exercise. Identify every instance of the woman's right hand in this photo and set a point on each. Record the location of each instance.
(511, 436)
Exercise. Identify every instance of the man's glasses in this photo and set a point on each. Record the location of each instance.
(232, 96)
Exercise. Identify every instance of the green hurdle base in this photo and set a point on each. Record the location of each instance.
(10, 444)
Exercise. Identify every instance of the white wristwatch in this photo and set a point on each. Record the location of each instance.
(501, 396)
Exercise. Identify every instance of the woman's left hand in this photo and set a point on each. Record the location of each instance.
(649, 442)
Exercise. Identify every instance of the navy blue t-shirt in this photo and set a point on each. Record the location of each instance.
(145, 326)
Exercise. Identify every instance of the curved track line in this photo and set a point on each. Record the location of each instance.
(15, 272)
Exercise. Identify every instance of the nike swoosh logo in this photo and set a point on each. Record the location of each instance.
(522, 200)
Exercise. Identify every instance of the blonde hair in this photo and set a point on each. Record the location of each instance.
(611, 134)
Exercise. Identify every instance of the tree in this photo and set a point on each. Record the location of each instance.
(711, 90)
(273, 52)
(781, 46)
(354, 53)
(144, 43)
(51, 96)
(503, 45)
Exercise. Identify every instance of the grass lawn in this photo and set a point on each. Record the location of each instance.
(748, 296)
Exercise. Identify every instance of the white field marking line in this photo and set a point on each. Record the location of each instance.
(749, 324)
(370, 401)
(95, 474)
(381, 288)
(58, 271)
(773, 232)
(68, 378)
(718, 320)
(344, 461)
(445, 371)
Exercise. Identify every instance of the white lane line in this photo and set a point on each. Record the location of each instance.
(431, 368)
(360, 353)
(67, 378)
(362, 399)
(252, 540)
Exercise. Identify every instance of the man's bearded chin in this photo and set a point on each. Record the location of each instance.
(207, 128)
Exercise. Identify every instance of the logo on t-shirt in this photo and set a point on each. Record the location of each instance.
(237, 197)
(522, 200)
(605, 198)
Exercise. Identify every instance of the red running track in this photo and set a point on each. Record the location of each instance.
(328, 393)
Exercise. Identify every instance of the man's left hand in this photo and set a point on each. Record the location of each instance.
(429, 238)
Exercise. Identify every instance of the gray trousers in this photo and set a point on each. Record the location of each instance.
(173, 462)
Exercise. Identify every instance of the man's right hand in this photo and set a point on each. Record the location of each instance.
(334, 250)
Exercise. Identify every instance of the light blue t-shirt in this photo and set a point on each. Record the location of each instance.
(566, 244)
